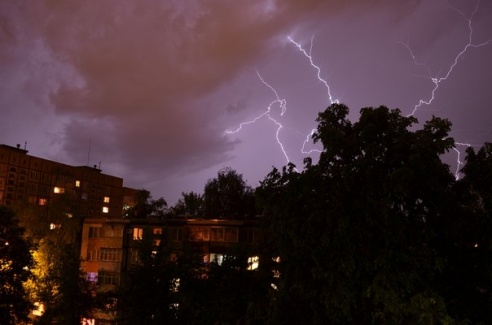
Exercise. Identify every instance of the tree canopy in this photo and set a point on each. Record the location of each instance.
(372, 232)
(228, 196)
(15, 269)
(146, 206)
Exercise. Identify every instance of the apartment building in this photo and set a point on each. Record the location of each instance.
(43, 188)
(111, 246)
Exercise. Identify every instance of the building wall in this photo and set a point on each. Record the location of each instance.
(32, 181)
(209, 238)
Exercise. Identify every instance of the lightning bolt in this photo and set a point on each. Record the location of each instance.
(323, 81)
(437, 80)
(317, 68)
(281, 103)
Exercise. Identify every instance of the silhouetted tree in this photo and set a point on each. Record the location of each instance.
(15, 269)
(228, 196)
(191, 205)
(466, 243)
(146, 206)
(357, 233)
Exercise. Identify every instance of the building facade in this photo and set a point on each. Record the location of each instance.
(111, 246)
(28, 181)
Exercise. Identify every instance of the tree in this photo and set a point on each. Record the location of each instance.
(60, 285)
(146, 206)
(357, 233)
(157, 289)
(228, 196)
(15, 269)
(190, 205)
(467, 281)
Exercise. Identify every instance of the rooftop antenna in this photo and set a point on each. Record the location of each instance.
(25, 145)
(89, 153)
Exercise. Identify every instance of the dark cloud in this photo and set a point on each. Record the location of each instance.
(153, 85)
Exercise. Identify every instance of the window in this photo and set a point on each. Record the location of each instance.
(91, 254)
(58, 190)
(77, 183)
(106, 199)
(217, 258)
(199, 233)
(84, 196)
(105, 210)
(253, 262)
(32, 188)
(134, 256)
(112, 231)
(250, 236)
(54, 226)
(95, 232)
(137, 233)
(225, 234)
(110, 254)
(111, 278)
(157, 231)
(42, 201)
(34, 174)
(176, 234)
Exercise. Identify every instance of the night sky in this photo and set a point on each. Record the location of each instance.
(149, 89)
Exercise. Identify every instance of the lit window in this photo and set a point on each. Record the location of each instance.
(157, 242)
(175, 285)
(106, 199)
(217, 258)
(58, 190)
(157, 231)
(199, 234)
(54, 226)
(105, 210)
(253, 262)
(137, 233)
(43, 201)
(77, 183)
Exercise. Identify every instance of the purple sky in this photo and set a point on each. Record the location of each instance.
(151, 87)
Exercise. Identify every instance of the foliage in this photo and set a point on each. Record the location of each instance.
(165, 288)
(370, 234)
(469, 246)
(228, 196)
(15, 269)
(59, 284)
(146, 206)
(145, 295)
(191, 205)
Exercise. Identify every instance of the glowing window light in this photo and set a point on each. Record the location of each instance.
(58, 190)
